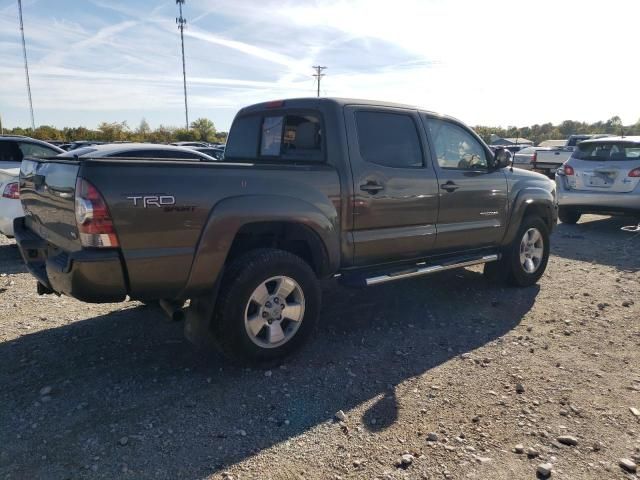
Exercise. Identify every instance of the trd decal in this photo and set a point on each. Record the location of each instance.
(147, 201)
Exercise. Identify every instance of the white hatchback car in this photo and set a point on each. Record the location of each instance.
(602, 176)
(10, 206)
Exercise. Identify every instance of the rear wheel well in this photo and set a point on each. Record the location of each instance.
(291, 237)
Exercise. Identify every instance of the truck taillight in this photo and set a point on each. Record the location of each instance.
(635, 172)
(92, 216)
(568, 170)
(534, 158)
(12, 190)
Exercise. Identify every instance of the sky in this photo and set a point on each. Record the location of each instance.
(489, 62)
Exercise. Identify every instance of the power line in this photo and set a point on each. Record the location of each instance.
(26, 65)
(318, 75)
(181, 21)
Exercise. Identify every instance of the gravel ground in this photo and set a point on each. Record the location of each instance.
(439, 377)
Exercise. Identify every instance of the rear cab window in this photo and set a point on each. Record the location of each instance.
(289, 137)
(607, 151)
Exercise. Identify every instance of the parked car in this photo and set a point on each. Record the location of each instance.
(310, 188)
(10, 207)
(138, 150)
(215, 152)
(14, 148)
(526, 157)
(602, 176)
(548, 161)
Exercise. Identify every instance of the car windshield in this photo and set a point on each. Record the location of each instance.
(607, 151)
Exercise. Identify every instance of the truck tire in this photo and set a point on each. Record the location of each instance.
(268, 306)
(568, 216)
(525, 260)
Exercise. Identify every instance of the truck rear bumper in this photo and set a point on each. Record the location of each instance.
(94, 276)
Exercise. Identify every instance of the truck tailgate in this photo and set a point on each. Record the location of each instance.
(47, 192)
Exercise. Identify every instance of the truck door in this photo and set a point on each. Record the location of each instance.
(395, 201)
(473, 198)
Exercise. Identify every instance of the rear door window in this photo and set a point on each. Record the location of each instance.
(388, 139)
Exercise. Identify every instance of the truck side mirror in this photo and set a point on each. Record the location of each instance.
(501, 158)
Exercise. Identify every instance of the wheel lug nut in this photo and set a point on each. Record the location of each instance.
(276, 300)
(265, 314)
(282, 306)
(268, 304)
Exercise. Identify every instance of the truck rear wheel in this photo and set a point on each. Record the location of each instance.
(268, 306)
(525, 260)
(568, 216)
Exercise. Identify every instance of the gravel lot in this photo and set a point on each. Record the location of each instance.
(440, 377)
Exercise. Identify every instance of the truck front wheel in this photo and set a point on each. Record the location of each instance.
(525, 260)
(268, 306)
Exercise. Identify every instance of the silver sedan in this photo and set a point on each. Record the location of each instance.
(602, 176)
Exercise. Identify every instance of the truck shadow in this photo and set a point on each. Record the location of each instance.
(10, 260)
(599, 239)
(129, 373)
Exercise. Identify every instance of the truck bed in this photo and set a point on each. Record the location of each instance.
(161, 211)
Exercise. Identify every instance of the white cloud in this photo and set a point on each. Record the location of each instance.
(495, 62)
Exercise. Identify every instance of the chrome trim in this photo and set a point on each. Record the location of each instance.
(429, 270)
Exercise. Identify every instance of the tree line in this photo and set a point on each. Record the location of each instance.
(204, 130)
(547, 131)
(201, 129)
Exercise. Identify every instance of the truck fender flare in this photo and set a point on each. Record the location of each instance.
(231, 214)
(526, 198)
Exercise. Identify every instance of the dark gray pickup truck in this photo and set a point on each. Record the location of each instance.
(308, 189)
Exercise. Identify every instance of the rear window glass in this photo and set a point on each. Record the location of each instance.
(607, 151)
(291, 137)
(244, 137)
(35, 150)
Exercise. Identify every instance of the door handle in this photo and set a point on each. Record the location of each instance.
(449, 186)
(371, 187)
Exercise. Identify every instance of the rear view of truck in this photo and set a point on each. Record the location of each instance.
(67, 236)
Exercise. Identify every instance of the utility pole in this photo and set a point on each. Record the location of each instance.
(26, 66)
(318, 75)
(181, 21)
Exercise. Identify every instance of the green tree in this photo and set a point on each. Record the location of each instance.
(113, 132)
(184, 135)
(204, 128)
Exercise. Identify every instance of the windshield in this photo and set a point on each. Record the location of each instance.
(607, 151)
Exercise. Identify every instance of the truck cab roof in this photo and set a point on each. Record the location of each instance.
(315, 102)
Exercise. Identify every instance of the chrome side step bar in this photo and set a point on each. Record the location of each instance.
(427, 270)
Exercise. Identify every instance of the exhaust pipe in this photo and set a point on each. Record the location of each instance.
(173, 309)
